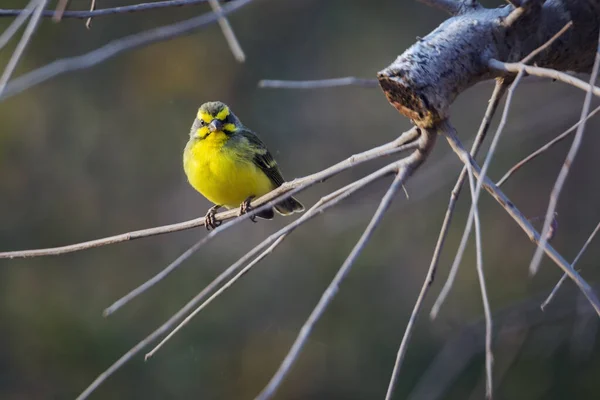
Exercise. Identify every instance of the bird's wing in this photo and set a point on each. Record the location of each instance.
(263, 158)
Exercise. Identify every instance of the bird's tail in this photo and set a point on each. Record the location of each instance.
(289, 206)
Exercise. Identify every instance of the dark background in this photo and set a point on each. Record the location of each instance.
(98, 152)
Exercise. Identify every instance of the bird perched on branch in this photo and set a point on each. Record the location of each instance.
(229, 165)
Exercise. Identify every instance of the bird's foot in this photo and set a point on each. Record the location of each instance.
(246, 207)
(209, 218)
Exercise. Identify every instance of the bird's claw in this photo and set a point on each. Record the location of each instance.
(209, 218)
(246, 207)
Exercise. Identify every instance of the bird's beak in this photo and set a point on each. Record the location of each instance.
(215, 125)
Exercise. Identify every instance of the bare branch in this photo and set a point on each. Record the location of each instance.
(17, 23)
(499, 91)
(110, 11)
(545, 73)
(114, 48)
(488, 159)
(404, 171)
(545, 147)
(27, 35)
(228, 272)
(489, 355)
(234, 44)
(88, 22)
(520, 219)
(564, 277)
(564, 172)
(405, 142)
(61, 6)
(319, 207)
(543, 47)
(463, 243)
(319, 84)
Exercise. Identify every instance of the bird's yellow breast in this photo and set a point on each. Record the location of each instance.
(225, 175)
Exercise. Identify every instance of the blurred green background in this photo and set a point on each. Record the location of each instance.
(98, 152)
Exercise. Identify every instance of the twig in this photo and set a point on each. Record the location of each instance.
(498, 93)
(88, 22)
(548, 43)
(188, 253)
(318, 84)
(463, 243)
(489, 355)
(520, 219)
(544, 73)
(319, 207)
(564, 172)
(234, 44)
(224, 275)
(17, 23)
(60, 9)
(158, 277)
(564, 277)
(405, 142)
(110, 11)
(403, 173)
(116, 47)
(545, 147)
(216, 294)
(25, 39)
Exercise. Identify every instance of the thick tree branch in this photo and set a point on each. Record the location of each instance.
(423, 82)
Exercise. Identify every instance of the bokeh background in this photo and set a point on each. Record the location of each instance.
(98, 152)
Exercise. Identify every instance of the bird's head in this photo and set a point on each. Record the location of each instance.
(214, 117)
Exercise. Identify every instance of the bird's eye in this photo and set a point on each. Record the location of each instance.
(202, 122)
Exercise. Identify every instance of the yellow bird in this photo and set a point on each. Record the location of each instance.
(229, 165)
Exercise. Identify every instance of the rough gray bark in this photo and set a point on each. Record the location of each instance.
(423, 82)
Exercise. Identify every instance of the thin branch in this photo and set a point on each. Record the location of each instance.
(463, 243)
(116, 47)
(498, 93)
(403, 173)
(319, 84)
(452, 7)
(545, 147)
(405, 142)
(88, 22)
(110, 11)
(319, 207)
(564, 277)
(20, 49)
(488, 159)
(544, 73)
(564, 172)
(61, 6)
(178, 262)
(224, 275)
(158, 277)
(216, 294)
(489, 355)
(232, 41)
(17, 23)
(525, 225)
(548, 43)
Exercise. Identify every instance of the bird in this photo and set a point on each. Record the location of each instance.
(229, 165)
